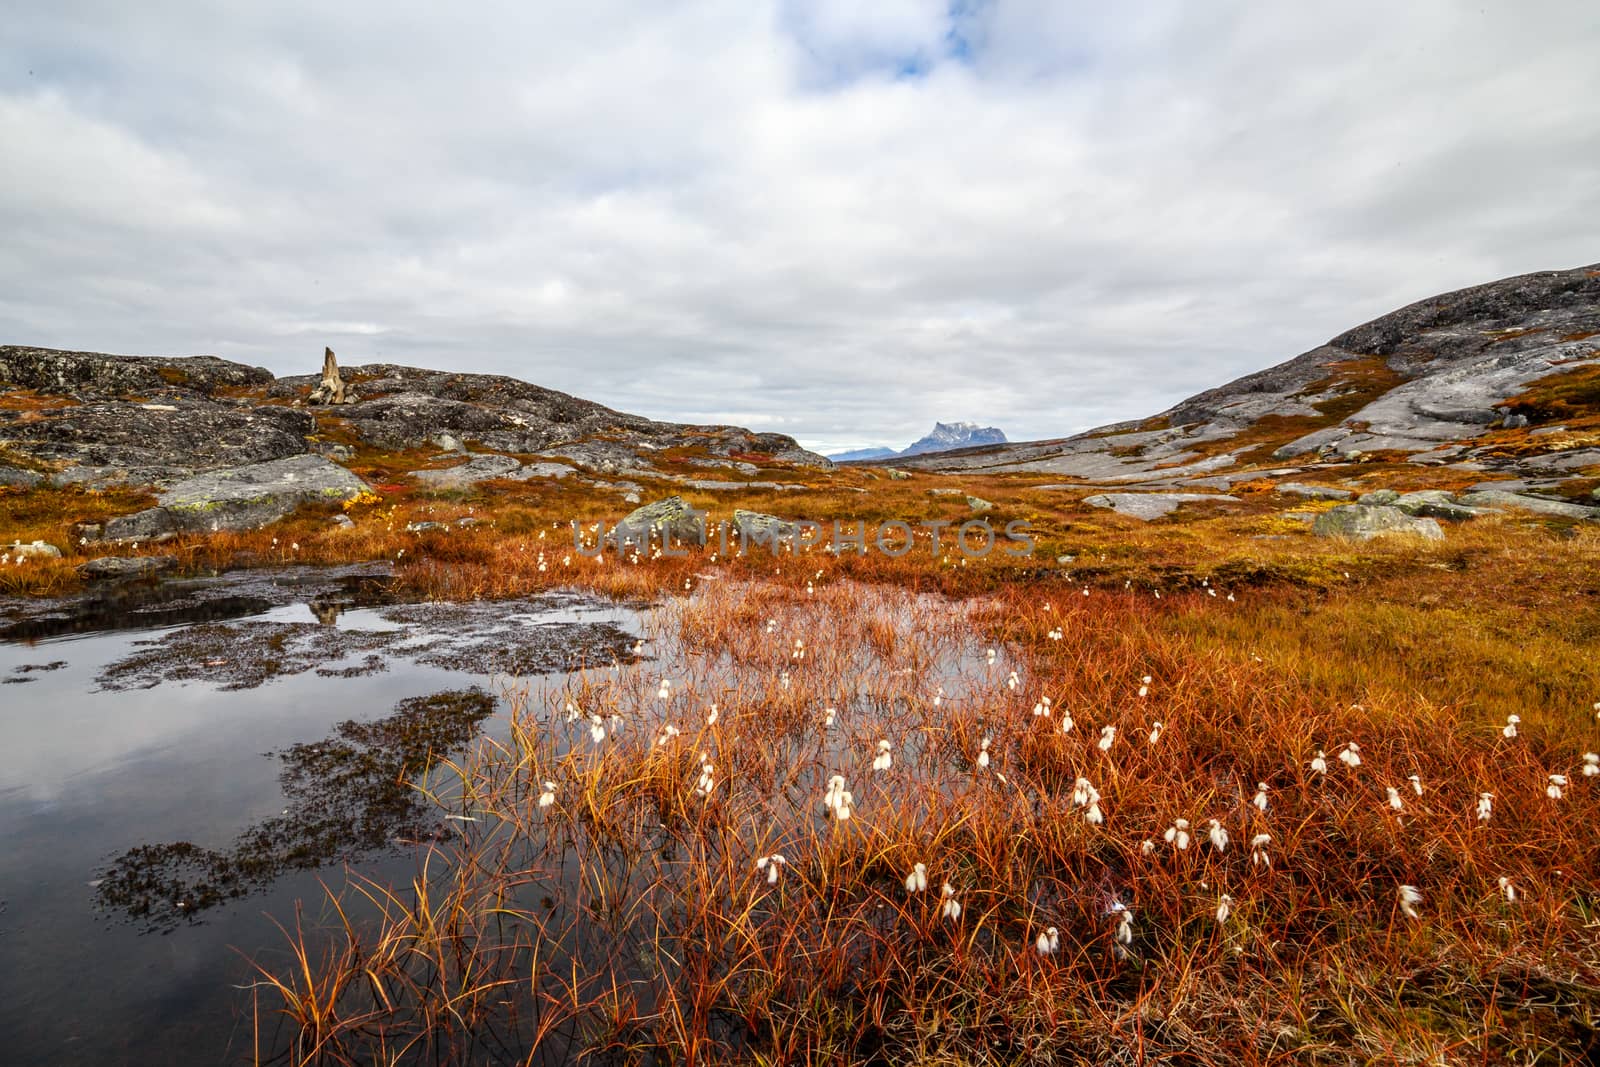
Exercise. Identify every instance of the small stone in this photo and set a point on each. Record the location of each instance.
(32, 550)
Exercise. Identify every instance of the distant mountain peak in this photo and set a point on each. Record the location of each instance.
(944, 437)
(948, 435)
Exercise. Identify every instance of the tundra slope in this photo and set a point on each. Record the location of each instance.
(1425, 381)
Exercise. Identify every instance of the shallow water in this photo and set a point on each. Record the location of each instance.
(128, 739)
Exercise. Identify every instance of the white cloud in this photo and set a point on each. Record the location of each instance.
(839, 220)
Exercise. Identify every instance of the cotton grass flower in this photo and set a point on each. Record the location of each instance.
(1108, 736)
(837, 800)
(711, 716)
(1177, 834)
(1217, 836)
(1350, 756)
(1557, 783)
(548, 797)
(1124, 914)
(1260, 799)
(1591, 764)
(1086, 796)
(1319, 762)
(951, 907)
(1394, 798)
(1048, 941)
(917, 880)
(1416, 783)
(883, 760)
(1409, 896)
(1155, 731)
(1510, 728)
(1258, 850)
(707, 782)
(1066, 722)
(1485, 806)
(1508, 890)
(1013, 681)
(597, 729)
(1224, 908)
(983, 755)
(828, 716)
(771, 865)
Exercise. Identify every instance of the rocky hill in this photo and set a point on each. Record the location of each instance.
(1500, 380)
(85, 417)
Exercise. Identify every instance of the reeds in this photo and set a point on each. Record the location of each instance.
(630, 916)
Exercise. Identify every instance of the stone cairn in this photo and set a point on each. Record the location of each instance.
(331, 389)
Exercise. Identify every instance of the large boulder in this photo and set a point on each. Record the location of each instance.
(672, 518)
(1362, 522)
(239, 498)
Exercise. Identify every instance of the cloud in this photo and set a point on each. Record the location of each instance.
(837, 220)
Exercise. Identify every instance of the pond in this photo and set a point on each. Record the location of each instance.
(181, 766)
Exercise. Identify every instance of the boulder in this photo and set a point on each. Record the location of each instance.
(18, 478)
(1537, 504)
(465, 475)
(31, 550)
(896, 475)
(1378, 496)
(116, 568)
(757, 527)
(977, 503)
(672, 517)
(1147, 506)
(1436, 504)
(1363, 522)
(239, 498)
(1315, 492)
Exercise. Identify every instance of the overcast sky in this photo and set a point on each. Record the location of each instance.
(840, 220)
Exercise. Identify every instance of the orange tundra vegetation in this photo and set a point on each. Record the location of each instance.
(1206, 790)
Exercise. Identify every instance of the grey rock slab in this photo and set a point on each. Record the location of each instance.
(476, 469)
(115, 568)
(1379, 496)
(1362, 522)
(1436, 504)
(240, 498)
(1147, 506)
(1315, 492)
(1538, 505)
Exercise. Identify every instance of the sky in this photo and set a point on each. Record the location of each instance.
(837, 220)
